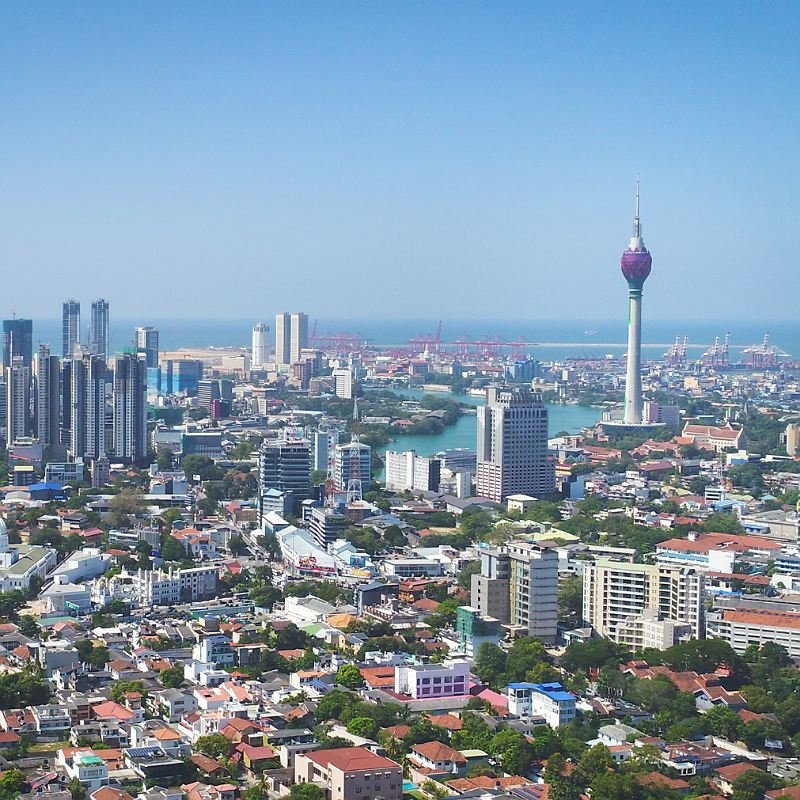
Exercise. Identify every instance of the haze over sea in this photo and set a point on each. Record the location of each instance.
(556, 339)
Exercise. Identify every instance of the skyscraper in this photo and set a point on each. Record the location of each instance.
(46, 368)
(88, 410)
(18, 402)
(70, 327)
(291, 336)
(636, 264)
(98, 334)
(130, 407)
(258, 357)
(512, 445)
(285, 465)
(146, 341)
(17, 341)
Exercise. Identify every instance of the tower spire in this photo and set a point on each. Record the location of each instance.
(636, 240)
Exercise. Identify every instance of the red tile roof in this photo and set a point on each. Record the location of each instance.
(351, 759)
(436, 751)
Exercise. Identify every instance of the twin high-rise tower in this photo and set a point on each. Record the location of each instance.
(636, 264)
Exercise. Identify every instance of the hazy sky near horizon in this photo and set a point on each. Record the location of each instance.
(442, 159)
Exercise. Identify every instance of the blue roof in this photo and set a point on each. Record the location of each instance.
(553, 690)
(45, 486)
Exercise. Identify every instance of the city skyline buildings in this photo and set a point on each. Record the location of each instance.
(291, 337)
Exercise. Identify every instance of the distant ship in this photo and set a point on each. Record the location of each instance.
(590, 333)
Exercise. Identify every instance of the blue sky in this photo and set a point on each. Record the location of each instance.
(390, 159)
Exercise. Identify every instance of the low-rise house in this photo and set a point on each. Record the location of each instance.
(725, 776)
(350, 773)
(83, 764)
(152, 763)
(437, 758)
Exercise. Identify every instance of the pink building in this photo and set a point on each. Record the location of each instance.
(350, 773)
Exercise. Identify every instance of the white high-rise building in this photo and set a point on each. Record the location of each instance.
(18, 400)
(643, 605)
(130, 407)
(146, 341)
(343, 383)
(98, 333)
(88, 406)
(291, 336)
(258, 356)
(512, 445)
(46, 397)
(406, 471)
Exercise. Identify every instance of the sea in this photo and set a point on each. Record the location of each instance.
(547, 340)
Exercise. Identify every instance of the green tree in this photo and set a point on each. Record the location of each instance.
(215, 745)
(490, 662)
(434, 789)
(581, 656)
(334, 704)
(512, 750)
(202, 466)
(753, 785)
(121, 688)
(165, 459)
(363, 726)
(77, 790)
(306, 791)
(465, 576)
(525, 655)
(570, 598)
(242, 451)
(236, 545)
(172, 549)
(724, 722)
(11, 784)
(172, 677)
(595, 761)
(349, 676)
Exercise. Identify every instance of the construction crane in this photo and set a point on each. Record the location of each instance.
(429, 342)
(765, 355)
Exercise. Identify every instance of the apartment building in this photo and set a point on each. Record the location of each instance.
(518, 584)
(638, 605)
(742, 627)
(350, 773)
(550, 701)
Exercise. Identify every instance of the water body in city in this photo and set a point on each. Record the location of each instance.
(464, 433)
(545, 339)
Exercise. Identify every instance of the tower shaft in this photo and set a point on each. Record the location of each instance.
(633, 375)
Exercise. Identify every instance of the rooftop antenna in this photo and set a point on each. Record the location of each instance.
(354, 488)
